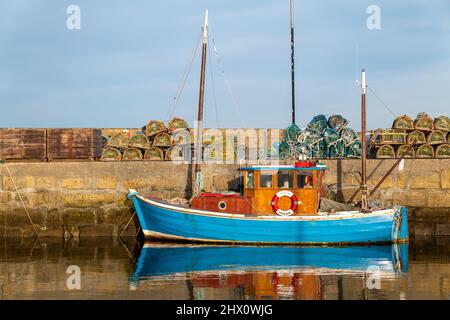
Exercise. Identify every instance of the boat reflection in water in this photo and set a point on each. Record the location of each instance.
(287, 272)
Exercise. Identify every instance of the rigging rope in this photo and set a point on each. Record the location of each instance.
(183, 81)
(213, 86)
(235, 104)
(384, 104)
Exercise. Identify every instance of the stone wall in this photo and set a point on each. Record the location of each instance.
(89, 198)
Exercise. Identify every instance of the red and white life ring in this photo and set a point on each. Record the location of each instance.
(290, 195)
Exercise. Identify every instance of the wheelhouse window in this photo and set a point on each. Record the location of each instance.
(265, 180)
(250, 182)
(285, 179)
(304, 179)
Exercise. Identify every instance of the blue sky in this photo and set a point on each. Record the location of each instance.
(124, 66)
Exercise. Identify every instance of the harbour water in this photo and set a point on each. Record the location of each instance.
(128, 269)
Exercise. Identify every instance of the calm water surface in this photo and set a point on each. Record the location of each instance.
(126, 269)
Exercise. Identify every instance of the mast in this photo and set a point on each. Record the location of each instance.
(198, 155)
(364, 201)
(292, 62)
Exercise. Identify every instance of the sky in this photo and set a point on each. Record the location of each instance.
(124, 65)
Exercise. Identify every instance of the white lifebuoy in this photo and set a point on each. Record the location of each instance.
(294, 203)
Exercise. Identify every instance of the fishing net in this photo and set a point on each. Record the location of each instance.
(403, 149)
(442, 123)
(423, 122)
(139, 140)
(348, 136)
(302, 151)
(319, 150)
(337, 122)
(110, 153)
(386, 152)
(443, 151)
(425, 151)
(292, 133)
(416, 137)
(154, 153)
(336, 150)
(403, 123)
(284, 150)
(132, 154)
(162, 140)
(177, 123)
(354, 150)
(120, 140)
(436, 137)
(318, 123)
(154, 127)
(330, 136)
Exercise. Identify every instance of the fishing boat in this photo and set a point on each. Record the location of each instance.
(280, 204)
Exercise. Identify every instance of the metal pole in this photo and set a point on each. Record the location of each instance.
(364, 201)
(292, 62)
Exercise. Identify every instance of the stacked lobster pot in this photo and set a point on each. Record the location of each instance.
(323, 138)
(154, 142)
(423, 137)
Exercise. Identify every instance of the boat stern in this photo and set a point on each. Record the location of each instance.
(400, 225)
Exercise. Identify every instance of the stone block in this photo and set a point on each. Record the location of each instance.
(4, 197)
(436, 199)
(88, 200)
(429, 181)
(410, 198)
(402, 180)
(107, 182)
(445, 178)
(47, 183)
(26, 182)
(137, 183)
(72, 183)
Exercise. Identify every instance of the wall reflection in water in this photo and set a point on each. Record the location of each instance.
(114, 269)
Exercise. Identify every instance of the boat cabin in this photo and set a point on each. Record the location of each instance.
(283, 190)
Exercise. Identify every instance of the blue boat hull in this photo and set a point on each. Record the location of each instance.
(163, 221)
(156, 260)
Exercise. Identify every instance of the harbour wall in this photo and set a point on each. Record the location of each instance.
(75, 199)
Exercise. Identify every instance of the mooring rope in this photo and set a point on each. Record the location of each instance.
(21, 200)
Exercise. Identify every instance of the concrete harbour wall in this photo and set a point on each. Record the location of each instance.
(89, 198)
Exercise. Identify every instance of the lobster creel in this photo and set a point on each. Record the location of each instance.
(177, 123)
(425, 151)
(318, 123)
(139, 140)
(154, 153)
(443, 151)
(403, 123)
(120, 140)
(111, 154)
(337, 122)
(386, 151)
(154, 127)
(401, 150)
(175, 153)
(390, 136)
(436, 137)
(442, 123)
(423, 122)
(162, 140)
(132, 154)
(416, 137)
